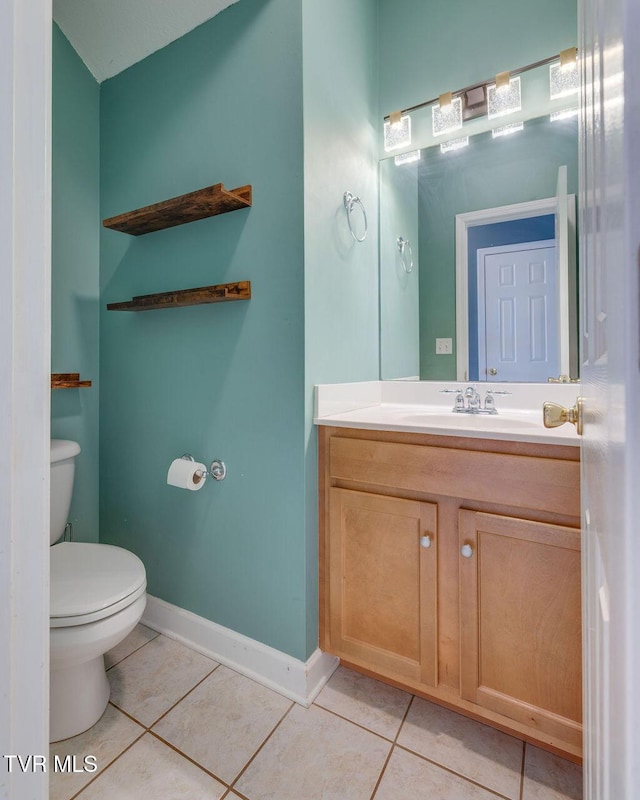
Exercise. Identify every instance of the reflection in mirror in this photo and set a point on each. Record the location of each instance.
(434, 326)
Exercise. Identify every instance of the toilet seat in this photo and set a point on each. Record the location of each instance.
(92, 581)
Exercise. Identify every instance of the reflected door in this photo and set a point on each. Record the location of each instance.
(518, 312)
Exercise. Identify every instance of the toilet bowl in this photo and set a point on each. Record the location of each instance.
(98, 595)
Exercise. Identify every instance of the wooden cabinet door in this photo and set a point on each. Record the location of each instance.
(520, 621)
(383, 583)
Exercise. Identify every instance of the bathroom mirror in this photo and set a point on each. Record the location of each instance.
(454, 226)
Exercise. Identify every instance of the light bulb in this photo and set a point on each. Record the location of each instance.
(446, 119)
(507, 130)
(505, 100)
(397, 134)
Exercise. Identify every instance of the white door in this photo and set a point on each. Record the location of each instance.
(518, 312)
(25, 299)
(609, 224)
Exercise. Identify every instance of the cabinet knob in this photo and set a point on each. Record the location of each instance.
(425, 541)
(466, 550)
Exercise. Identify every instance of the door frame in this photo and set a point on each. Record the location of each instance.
(25, 335)
(514, 211)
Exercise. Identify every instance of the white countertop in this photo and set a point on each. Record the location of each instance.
(424, 407)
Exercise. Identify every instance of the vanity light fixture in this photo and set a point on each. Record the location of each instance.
(454, 144)
(564, 79)
(446, 114)
(504, 96)
(566, 113)
(507, 130)
(397, 131)
(407, 158)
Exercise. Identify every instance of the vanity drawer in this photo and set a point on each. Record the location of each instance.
(544, 484)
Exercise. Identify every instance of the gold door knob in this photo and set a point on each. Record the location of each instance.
(554, 415)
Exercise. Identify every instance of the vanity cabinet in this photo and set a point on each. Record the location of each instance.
(450, 567)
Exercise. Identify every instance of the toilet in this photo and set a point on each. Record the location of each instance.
(98, 594)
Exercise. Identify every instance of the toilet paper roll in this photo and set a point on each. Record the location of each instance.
(186, 474)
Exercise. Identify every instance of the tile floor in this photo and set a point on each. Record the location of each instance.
(183, 727)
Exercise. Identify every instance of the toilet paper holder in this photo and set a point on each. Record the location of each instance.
(217, 469)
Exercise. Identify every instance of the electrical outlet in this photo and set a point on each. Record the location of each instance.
(444, 347)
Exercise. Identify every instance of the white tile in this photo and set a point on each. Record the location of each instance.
(366, 701)
(223, 722)
(476, 751)
(138, 637)
(155, 677)
(152, 771)
(314, 755)
(111, 734)
(549, 777)
(409, 777)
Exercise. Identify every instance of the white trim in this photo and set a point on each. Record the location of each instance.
(300, 681)
(25, 298)
(533, 208)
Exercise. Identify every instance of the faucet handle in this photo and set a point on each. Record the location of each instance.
(489, 402)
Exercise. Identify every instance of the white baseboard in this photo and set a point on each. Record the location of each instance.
(300, 681)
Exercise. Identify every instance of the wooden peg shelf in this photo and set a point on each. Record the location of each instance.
(207, 202)
(221, 293)
(68, 380)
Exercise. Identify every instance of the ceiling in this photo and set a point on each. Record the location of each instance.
(111, 35)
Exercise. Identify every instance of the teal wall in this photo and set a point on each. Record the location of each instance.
(488, 173)
(341, 275)
(340, 154)
(224, 103)
(75, 270)
(399, 289)
(426, 48)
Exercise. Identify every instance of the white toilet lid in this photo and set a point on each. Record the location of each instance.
(87, 579)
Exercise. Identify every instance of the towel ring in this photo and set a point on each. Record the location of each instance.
(349, 202)
(403, 246)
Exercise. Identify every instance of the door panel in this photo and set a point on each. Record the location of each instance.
(518, 312)
(383, 591)
(521, 620)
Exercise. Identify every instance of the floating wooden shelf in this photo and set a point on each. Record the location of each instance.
(221, 293)
(67, 380)
(179, 210)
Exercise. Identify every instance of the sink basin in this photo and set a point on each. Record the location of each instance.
(451, 420)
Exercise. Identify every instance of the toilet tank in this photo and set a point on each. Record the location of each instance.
(63, 454)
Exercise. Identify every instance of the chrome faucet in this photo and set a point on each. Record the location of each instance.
(473, 399)
(470, 402)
